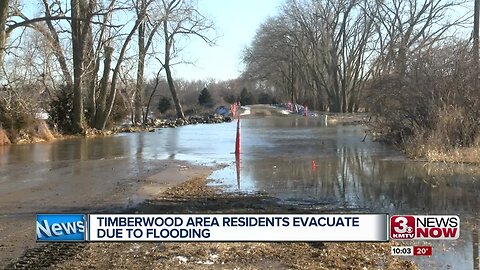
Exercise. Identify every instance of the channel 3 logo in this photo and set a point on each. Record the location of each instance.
(434, 227)
(402, 227)
(60, 227)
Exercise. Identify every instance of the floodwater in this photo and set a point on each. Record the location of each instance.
(351, 175)
(299, 161)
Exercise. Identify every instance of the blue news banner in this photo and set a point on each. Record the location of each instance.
(61, 227)
(212, 227)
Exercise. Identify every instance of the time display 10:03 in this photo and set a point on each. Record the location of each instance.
(402, 251)
(411, 251)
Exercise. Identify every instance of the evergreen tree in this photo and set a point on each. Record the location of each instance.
(205, 99)
(230, 98)
(164, 104)
(246, 97)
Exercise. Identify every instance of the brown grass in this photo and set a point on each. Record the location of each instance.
(453, 137)
(44, 132)
(4, 140)
(236, 256)
(458, 155)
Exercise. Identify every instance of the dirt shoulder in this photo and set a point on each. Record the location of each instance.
(105, 186)
(195, 196)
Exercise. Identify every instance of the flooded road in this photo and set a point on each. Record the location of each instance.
(357, 176)
(299, 161)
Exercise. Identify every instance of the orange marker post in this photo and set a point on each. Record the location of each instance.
(237, 140)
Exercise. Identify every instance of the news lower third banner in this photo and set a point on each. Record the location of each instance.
(213, 227)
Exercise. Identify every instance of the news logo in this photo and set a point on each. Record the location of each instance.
(424, 227)
(60, 227)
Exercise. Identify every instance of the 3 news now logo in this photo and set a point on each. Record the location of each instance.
(425, 227)
(61, 227)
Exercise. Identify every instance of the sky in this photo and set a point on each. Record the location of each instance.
(236, 22)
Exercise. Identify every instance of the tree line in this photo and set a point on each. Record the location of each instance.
(412, 65)
(80, 55)
(325, 52)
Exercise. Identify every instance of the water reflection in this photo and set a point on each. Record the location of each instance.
(277, 158)
(475, 241)
(238, 169)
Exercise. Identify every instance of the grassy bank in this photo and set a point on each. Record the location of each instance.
(448, 134)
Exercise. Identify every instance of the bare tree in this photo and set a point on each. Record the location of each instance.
(85, 57)
(269, 56)
(82, 12)
(341, 51)
(98, 47)
(406, 27)
(317, 45)
(147, 29)
(103, 112)
(50, 33)
(181, 18)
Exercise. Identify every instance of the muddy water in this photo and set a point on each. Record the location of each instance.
(277, 157)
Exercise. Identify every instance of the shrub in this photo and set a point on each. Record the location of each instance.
(14, 116)
(61, 111)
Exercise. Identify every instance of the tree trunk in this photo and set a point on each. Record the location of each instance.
(140, 73)
(81, 45)
(476, 25)
(78, 46)
(102, 97)
(3, 33)
(157, 81)
(105, 43)
(113, 85)
(90, 61)
(401, 61)
(171, 86)
(166, 65)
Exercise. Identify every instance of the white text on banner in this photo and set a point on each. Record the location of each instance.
(238, 227)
